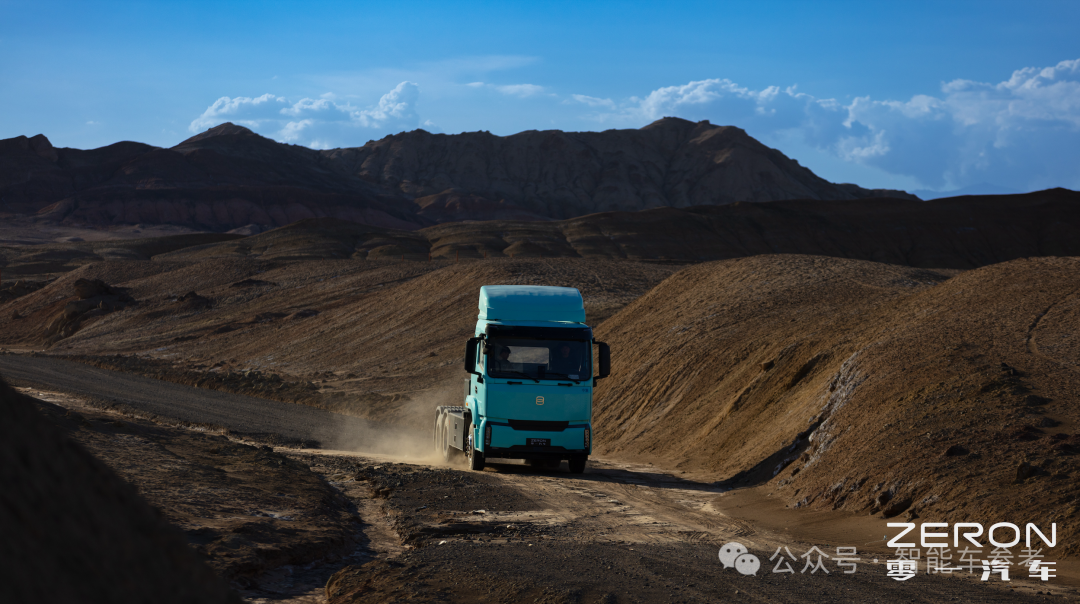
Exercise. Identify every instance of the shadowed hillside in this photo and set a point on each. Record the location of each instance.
(375, 339)
(859, 386)
(962, 232)
(75, 532)
(224, 178)
(669, 163)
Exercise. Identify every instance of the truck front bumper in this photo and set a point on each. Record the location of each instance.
(508, 443)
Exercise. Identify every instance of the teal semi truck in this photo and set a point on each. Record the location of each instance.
(531, 378)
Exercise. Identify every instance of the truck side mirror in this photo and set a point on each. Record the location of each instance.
(470, 355)
(605, 362)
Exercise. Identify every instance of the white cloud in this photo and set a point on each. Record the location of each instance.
(318, 123)
(520, 90)
(592, 101)
(1023, 132)
(241, 109)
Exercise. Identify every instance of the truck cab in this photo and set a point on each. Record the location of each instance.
(530, 384)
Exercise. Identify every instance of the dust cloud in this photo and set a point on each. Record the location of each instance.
(408, 437)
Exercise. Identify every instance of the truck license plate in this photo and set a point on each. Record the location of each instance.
(539, 442)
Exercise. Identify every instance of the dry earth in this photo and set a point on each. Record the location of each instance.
(961, 232)
(337, 334)
(282, 524)
(74, 531)
(859, 386)
(837, 385)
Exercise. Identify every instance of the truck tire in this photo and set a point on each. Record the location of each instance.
(577, 464)
(447, 450)
(436, 433)
(476, 458)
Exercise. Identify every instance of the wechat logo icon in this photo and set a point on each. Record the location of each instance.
(735, 555)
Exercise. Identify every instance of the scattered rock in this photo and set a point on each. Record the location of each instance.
(90, 288)
(1025, 471)
(95, 298)
(767, 365)
(896, 506)
(1034, 400)
(193, 301)
(10, 291)
(956, 450)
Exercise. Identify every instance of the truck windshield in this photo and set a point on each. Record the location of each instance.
(538, 359)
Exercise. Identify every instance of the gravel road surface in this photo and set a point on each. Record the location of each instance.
(241, 414)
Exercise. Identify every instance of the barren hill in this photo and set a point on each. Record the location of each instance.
(224, 178)
(74, 531)
(669, 163)
(962, 232)
(859, 386)
(229, 177)
(379, 339)
(837, 383)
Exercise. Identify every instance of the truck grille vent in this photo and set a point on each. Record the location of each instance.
(538, 426)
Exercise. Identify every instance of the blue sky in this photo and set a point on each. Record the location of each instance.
(903, 95)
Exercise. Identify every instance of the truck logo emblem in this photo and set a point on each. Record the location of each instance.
(539, 400)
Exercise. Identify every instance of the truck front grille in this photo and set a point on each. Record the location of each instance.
(538, 426)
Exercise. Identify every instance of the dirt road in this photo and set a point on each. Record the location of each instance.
(238, 414)
(619, 533)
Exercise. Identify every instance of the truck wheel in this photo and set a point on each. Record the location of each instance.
(577, 464)
(476, 458)
(447, 450)
(436, 434)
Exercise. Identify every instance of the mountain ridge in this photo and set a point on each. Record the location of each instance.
(230, 177)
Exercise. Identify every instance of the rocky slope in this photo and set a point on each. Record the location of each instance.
(74, 531)
(962, 232)
(380, 340)
(229, 177)
(791, 371)
(222, 179)
(671, 162)
(853, 385)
